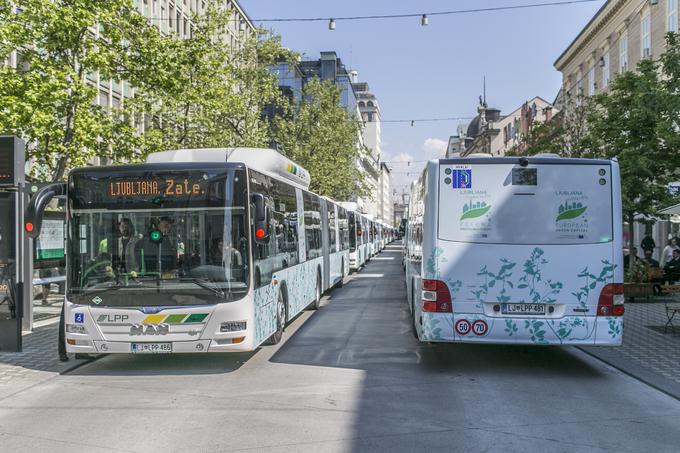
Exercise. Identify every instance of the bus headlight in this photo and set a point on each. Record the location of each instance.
(76, 328)
(232, 326)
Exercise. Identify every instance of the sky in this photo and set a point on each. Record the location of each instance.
(435, 71)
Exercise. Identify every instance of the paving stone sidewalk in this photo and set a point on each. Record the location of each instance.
(647, 352)
(37, 362)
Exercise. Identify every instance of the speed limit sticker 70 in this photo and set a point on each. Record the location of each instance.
(480, 327)
(463, 327)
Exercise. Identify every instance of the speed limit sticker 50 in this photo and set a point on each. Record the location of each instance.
(463, 327)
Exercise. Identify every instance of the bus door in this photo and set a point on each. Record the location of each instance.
(325, 248)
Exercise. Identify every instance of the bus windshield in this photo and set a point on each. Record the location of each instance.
(158, 237)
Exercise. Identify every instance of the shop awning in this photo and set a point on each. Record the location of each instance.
(675, 209)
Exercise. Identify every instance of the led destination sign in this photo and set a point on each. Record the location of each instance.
(169, 187)
(145, 189)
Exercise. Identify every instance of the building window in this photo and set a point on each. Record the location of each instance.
(672, 16)
(605, 70)
(591, 81)
(623, 52)
(645, 41)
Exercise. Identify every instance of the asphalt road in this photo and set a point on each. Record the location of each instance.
(349, 377)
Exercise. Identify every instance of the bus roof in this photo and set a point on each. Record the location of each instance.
(531, 159)
(265, 160)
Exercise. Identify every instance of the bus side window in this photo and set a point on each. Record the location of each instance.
(285, 214)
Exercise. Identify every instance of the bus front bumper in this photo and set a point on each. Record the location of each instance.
(86, 346)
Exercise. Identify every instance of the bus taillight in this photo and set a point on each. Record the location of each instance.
(611, 300)
(436, 297)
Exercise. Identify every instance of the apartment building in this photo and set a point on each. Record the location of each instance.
(620, 34)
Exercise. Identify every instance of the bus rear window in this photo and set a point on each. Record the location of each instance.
(540, 204)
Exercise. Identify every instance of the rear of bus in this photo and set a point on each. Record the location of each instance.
(522, 250)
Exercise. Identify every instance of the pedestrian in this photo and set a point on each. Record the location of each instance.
(649, 260)
(667, 253)
(672, 268)
(648, 243)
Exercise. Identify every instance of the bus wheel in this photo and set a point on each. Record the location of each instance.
(280, 320)
(414, 330)
(342, 275)
(317, 296)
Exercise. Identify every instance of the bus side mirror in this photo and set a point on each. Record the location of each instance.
(261, 218)
(33, 216)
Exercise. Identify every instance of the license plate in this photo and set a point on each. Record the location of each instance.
(151, 348)
(523, 309)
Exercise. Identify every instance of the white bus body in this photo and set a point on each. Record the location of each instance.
(307, 252)
(510, 250)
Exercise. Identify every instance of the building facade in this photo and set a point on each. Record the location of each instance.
(620, 34)
(492, 133)
(517, 125)
(385, 200)
(357, 100)
(369, 111)
(617, 37)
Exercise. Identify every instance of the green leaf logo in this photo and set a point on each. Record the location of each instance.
(477, 212)
(571, 213)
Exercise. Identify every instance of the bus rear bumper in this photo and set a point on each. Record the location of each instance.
(568, 330)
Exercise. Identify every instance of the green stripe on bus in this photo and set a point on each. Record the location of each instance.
(175, 319)
(196, 317)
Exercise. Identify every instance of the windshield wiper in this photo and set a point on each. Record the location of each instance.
(114, 286)
(206, 284)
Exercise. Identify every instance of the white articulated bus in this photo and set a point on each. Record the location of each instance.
(358, 239)
(206, 250)
(516, 250)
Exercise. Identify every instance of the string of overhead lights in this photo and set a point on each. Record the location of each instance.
(424, 17)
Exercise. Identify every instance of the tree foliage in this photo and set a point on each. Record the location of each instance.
(179, 92)
(323, 138)
(48, 99)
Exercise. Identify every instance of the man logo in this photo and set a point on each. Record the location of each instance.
(149, 329)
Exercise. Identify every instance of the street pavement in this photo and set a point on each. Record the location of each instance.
(348, 377)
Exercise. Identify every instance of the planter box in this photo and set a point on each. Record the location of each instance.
(638, 289)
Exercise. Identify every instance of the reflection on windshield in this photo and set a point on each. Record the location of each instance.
(176, 251)
(167, 247)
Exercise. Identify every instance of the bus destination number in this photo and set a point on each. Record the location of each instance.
(169, 187)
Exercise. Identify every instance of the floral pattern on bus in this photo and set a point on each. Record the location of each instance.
(498, 282)
(300, 283)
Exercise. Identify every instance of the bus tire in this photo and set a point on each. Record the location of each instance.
(317, 296)
(280, 319)
(414, 329)
(342, 274)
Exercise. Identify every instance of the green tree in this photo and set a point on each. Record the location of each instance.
(48, 99)
(323, 137)
(636, 122)
(216, 96)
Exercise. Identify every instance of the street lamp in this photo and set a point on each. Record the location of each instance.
(331, 24)
(424, 20)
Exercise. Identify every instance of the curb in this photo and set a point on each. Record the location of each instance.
(77, 363)
(642, 374)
